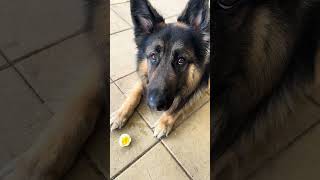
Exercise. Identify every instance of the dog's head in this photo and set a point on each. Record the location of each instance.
(171, 57)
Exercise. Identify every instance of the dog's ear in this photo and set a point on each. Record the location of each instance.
(196, 14)
(145, 18)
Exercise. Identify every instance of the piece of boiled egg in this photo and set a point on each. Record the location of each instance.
(124, 140)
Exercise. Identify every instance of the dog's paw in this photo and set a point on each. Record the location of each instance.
(117, 121)
(163, 127)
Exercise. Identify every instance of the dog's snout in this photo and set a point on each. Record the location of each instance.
(157, 100)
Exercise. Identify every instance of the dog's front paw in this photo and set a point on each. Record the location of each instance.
(117, 121)
(164, 126)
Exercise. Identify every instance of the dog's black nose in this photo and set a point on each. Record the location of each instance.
(157, 100)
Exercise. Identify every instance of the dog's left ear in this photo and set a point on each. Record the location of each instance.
(145, 18)
(196, 15)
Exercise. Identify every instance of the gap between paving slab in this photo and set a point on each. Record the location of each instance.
(162, 142)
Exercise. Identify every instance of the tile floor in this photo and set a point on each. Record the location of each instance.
(42, 57)
(185, 153)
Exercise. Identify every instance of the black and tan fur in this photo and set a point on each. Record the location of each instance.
(172, 62)
(264, 77)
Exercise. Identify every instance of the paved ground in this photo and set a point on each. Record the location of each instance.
(43, 53)
(185, 153)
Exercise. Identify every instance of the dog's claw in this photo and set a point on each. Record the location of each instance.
(116, 122)
(161, 130)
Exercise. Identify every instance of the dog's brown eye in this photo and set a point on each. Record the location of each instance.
(153, 58)
(181, 61)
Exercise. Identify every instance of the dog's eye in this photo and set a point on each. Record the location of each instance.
(181, 61)
(153, 58)
(227, 4)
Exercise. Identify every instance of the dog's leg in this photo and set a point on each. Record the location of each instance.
(53, 154)
(120, 117)
(164, 125)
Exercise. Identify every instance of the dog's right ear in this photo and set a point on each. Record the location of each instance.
(145, 18)
(196, 14)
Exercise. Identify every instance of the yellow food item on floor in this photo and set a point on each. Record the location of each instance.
(124, 140)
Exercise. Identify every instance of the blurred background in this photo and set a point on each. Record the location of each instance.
(46, 52)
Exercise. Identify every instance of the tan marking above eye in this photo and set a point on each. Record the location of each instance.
(193, 78)
(143, 67)
(181, 25)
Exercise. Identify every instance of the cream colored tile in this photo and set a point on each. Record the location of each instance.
(172, 19)
(142, 139)
(122, 54)
(169, 8)
(190, 144)
(161, 6)
(116, 98)
(157, 164)
(124, 11)
(118, 1)
(116, 23)
(141, 136)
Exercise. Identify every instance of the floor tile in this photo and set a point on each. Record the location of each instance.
(23, 116)
(122, 60)
(190, 144)
(126, 83)
(164, 10)
(31, 25)
(118, 1)
(116, 98)
(172, 19)
(83, 170)
(141, 135)
(156, 164)
(123, 10)
(58, 72)
(300, 161)
(175, 8)
(116, 23)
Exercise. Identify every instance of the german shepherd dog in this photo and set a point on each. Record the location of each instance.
(172, 62)
(265, 72)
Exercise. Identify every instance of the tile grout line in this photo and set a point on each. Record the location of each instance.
(134, 161)
(140, 115)
(282, 150)
(176, 160)
(93, 165)
(5, 66)
(172, 155)
(23, 78)
(144, 152)
(168, 149)
(121, 17)
(127, 29)
(123, 76)
(34, 52)
(121, 31)
(119, 3)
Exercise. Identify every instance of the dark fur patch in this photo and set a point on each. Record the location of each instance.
(264, 62)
